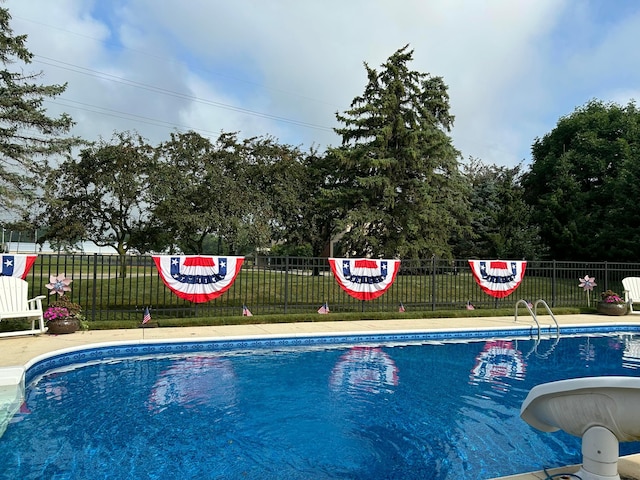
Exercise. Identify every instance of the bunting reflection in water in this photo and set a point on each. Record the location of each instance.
(498, 360)
(367, 369)
(194, 381)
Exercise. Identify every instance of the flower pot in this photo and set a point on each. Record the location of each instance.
(62, 325)
(613, 308)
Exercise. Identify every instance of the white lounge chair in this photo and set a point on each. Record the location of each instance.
(631, 287)
(14, 303)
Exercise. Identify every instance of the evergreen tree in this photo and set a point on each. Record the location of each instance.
(501, 222)
(27, 135)
(396, 176)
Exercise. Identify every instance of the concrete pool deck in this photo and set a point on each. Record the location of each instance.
(18, 351)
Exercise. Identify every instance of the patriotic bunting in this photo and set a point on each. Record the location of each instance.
(498, 278)
(198, 278)
(364, 278)
(17, 265)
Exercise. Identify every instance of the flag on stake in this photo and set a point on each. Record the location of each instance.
(324, 309)
(401, 307)
(246, 312)
(146, 318)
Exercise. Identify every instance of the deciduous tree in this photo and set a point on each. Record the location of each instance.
(583, 184)
(100, 195)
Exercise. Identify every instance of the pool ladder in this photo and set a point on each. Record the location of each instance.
(534, 315)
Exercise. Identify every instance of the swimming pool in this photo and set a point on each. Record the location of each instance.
(392, 406)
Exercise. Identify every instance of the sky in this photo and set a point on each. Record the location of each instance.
(284, 68)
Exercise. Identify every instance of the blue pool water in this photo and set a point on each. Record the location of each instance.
(436, 411)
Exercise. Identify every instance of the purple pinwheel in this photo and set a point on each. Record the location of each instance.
(587, 283)
(58, 284)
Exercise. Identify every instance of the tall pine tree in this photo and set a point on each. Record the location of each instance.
(396, 177)
(27, 134)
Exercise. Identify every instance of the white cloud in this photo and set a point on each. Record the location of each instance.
(265, 68)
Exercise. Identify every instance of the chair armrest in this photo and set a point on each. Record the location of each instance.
(36, 302)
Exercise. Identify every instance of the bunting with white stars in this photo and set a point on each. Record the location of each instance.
(364, 278)
(198, 278)
(498, 278)
(17, 265)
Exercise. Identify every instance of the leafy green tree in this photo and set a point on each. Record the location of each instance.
(189, 190)
(397, 183)
(583, 181)
(100, 196)
(229, 196)
(203, 191)
(319, 220)
(501, 223)
(28, 136)
(287, 182)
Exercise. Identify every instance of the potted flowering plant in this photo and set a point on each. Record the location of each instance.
(64, 316)
(612, 304)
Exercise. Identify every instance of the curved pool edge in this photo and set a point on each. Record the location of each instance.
(112, 350)
(19, 350)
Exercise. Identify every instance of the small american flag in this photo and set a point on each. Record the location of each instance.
(146, 318)
(246, 312)
(324, 309)
(401, 307)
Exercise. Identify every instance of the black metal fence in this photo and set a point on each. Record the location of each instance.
(110, 290)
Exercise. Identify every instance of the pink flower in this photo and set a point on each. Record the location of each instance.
(55, 313)
(58, 284)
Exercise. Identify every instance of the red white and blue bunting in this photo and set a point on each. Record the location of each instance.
(198, 278)
(364, 278)
(498, 278)
(17, 265)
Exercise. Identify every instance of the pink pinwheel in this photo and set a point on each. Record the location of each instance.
(58, 284)
(587, 283)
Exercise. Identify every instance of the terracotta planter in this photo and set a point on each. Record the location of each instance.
(613, 308)
(63, 325)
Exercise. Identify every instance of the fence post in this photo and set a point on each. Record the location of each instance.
(553, 283)
(95, 287)
(433, 282)
(286, 282)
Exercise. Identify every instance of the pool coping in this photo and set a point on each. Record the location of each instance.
(103, 351)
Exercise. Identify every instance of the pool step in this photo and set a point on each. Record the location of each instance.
(11, 394)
